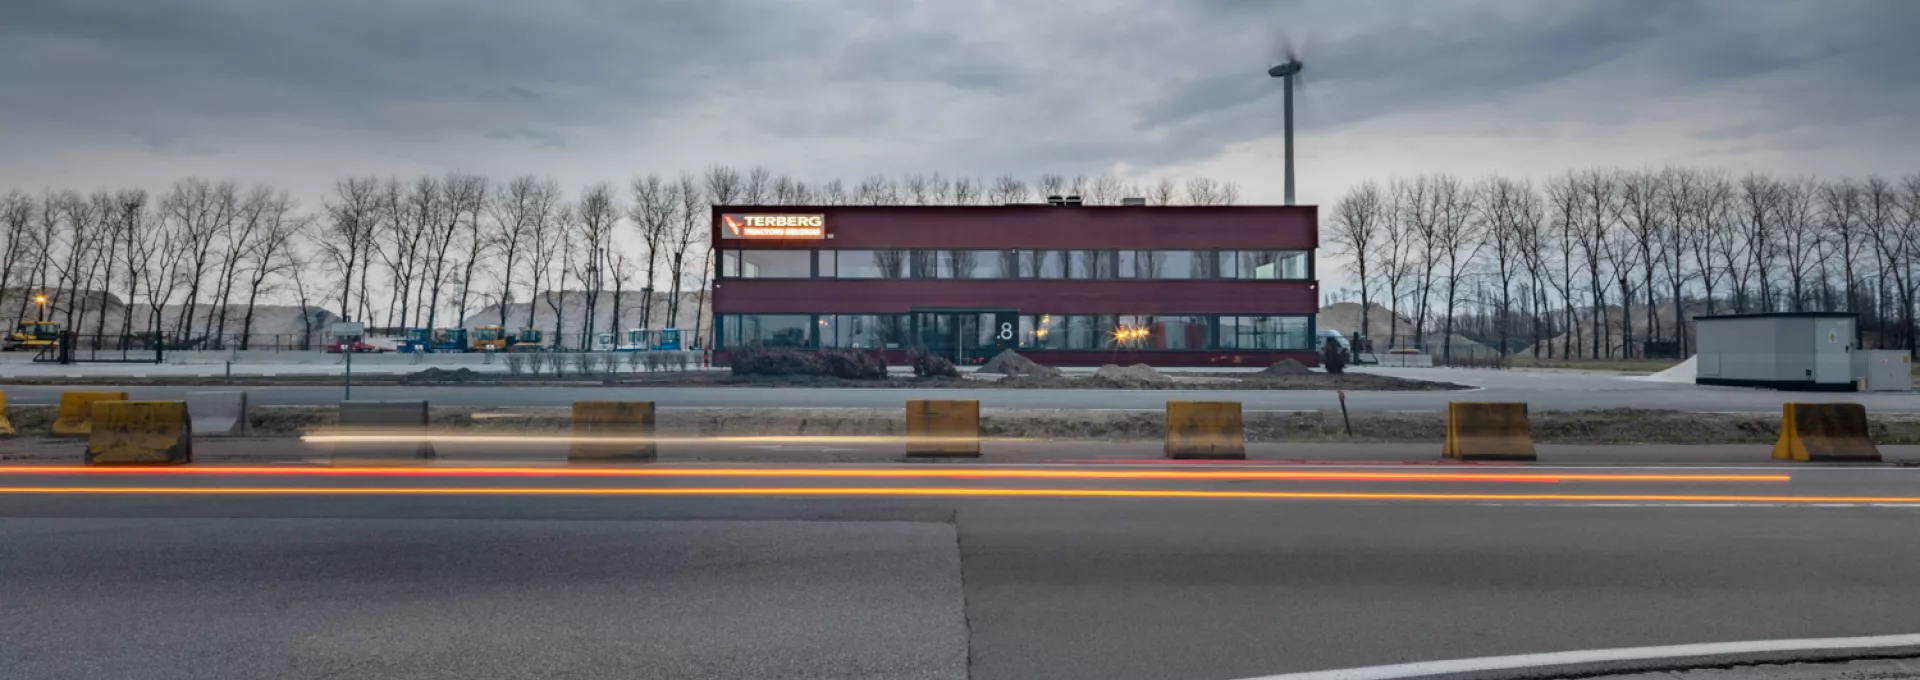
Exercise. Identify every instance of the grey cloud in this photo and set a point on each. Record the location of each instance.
(955, 86)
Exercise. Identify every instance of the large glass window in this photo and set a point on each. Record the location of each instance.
(1162, 332)
(1265, 332)
(866, 264)
(1090, 264)
(929, 264)
(1043, 331)
(1042, 264)
(863, 331)
(975, 264)
(1273, 264)
(767, 264)
(768, 330)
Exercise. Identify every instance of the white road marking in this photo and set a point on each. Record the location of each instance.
(1499, 663)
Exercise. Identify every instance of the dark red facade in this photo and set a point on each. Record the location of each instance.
(1039, 228)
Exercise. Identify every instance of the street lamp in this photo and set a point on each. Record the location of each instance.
(42, 300)
(1286, 72)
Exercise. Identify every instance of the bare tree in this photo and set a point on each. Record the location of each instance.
(1760, 198)
(1203, 191)
(466, 197)
(966, 191)
(1163, 192)
(723, 184)
(1841, 203)
(1642, 213)
(1511, 215)
(1880, 218)
(876, 190)
(510, 220)
(598, 216)
(834, 192)
(545, 234)
(1458, 236)
(1800, 236)
(1051, 184)
(1681, 194)
(16, 220)
(408, 216)
(939, 189)
(1563, 201)
(1229, 193)
(1598, 193)
(1414, 204)
(652, 213)
(1357, 221)
(915, 189)
(690, 214)
(201, 211)
(1104, 190)
(1007, 189)
(1714, 201)
(348, 236)
(758, 187)
(237, 238)
(271, 254)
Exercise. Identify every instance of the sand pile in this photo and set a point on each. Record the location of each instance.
(1011, 363)
(1286, 367)
(1130, 375)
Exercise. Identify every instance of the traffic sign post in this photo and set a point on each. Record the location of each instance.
(348, 347)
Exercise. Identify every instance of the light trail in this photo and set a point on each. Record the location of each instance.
(892, 473)
(960, 493)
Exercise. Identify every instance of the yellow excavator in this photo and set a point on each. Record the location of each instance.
(34, 336)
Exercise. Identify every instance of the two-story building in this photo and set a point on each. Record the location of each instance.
(1063, 285)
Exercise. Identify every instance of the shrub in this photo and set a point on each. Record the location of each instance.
(634, 360)
(516, 363)
(933, 365)
(536, 362)
(853, 365)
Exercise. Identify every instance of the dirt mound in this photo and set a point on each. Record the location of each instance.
(1129, 375)
(441, 375)
(1010, 363)
(1287, 367)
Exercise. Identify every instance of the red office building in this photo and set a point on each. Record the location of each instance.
(1062, 284)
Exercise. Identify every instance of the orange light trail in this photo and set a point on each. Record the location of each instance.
(957, 493)
(894, 473)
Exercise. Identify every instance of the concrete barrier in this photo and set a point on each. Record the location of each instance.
(399, 425)
(1205, 429)
(6, 424)
(218, 414)
(139, 433)
(943, 427)
(627, 425)
(1482, 430)
(75, 417)
(1825, 432)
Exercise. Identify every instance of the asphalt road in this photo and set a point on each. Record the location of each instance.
(920, 571)
(1540, 390)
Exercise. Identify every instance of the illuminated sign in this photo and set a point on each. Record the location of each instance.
(773, 226)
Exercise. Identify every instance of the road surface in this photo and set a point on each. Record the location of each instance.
(1540, 390)
(922, 571)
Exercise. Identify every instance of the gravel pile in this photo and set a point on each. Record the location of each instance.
(1010, 363)
(438, 375)
(1287, 367)
(1135, 374)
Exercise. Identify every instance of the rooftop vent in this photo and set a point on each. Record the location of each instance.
(1133, 200)
(1056, 199)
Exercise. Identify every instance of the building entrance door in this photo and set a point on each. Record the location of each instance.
(964, 337)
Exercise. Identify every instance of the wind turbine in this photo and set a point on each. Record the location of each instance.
(1287, 71)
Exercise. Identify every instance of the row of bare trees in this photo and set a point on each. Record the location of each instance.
(432, 250)
(1600, 262)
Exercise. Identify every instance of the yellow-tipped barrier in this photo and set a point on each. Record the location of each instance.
(6, 424)
(75, 417)
(626, 427)
(943, 427)
(1484, 430)
(1205, 429)
(1825, 432)
(140, 433)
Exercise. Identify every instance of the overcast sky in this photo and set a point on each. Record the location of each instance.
(106, 93)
